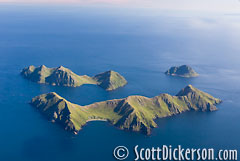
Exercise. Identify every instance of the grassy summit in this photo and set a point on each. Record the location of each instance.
(182, 71)
(62, 76)
(110, 80)
(134, 113)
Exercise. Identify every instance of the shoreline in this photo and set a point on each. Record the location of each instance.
(90, 120)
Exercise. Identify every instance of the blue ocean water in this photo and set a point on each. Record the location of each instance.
(138, 43)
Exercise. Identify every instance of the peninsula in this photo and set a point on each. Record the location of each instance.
(182, 71)
(62, 76)
(134, 113)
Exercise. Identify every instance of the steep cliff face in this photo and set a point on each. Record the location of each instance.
(182, 71)
(36, 74)
(198, 100)
(134, 113)
(62, 76)
(71, 116)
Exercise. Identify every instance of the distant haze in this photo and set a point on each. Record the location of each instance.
(208, 5)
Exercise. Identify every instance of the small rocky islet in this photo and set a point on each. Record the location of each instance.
(134, 113)
(182, 71)
(61, 76)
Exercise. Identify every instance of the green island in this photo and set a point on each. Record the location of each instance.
(62, 76)
(134, 113)
(182, 71)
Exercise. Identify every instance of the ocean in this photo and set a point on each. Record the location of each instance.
(139, 43)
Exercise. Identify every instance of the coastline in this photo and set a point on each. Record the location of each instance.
(90, 120)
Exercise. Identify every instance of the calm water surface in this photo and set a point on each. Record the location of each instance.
(140, 44)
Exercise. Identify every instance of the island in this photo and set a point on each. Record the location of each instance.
(182, 71)
(62, 76)
(134, 113)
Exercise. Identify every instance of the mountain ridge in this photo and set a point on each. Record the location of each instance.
(134, 113)
(61, 76)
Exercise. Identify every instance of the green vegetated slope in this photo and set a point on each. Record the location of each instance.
(182, 71)
(62, 76)
(110, 80)
(134, 113)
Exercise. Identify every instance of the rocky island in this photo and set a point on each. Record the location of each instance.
(182, 71)
(134, 113)
(62, 76)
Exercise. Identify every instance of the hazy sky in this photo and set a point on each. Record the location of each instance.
(212, 5)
